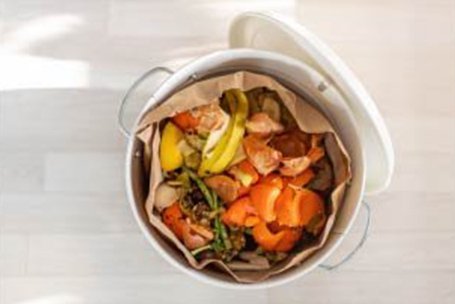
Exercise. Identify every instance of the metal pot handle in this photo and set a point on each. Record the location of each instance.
(130, 90)
(364, 237)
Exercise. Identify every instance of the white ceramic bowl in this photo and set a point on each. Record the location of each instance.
(302, 80)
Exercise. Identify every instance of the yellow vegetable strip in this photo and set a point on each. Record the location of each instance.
(208, 161)
(236, 135)
(171, 157)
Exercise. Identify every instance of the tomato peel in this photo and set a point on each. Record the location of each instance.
(263, 197)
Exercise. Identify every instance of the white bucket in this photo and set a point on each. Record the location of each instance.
(303, 80)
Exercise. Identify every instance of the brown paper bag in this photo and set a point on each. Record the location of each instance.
(209, 91)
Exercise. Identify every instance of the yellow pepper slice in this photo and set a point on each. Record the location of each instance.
(171, 157)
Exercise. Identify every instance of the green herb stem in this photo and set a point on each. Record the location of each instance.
(201, 185)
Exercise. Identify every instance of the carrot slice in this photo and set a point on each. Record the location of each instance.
(273, 179)
(173, 218)
(252, 221)
(289, 239)
(265, 238)
(311, 204)
(263, 197)
(288, 208)
(302, 179)
(185, 120)
(238, 212)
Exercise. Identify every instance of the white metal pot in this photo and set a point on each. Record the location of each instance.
(316, 74)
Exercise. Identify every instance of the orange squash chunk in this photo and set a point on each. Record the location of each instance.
(238, 212)
(311, 204)
(288, 208)
(273, 179)
(263, 197)
(252, 221)
(265, 238)
(289, 239)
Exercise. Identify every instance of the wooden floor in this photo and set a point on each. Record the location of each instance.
(66, 232)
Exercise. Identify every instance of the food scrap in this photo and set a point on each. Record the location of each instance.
(242, 183)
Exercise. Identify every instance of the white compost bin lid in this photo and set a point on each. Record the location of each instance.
(272, 32)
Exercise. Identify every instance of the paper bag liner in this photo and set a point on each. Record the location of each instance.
(209, 91)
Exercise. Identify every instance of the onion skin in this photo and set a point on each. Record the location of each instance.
(165, 196)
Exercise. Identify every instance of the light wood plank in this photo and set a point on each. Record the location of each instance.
(45, 213)
(13, 255)
(92, 254)
(368, 287)
(21, 171)
(167, 288)
(397, 250)
(419, 211)
(88, 172)
(62, 120)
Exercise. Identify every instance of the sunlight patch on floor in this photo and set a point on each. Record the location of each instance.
(20, 70)
(34, 72)
(39, 30)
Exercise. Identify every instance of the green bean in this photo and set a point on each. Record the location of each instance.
(201, 185)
